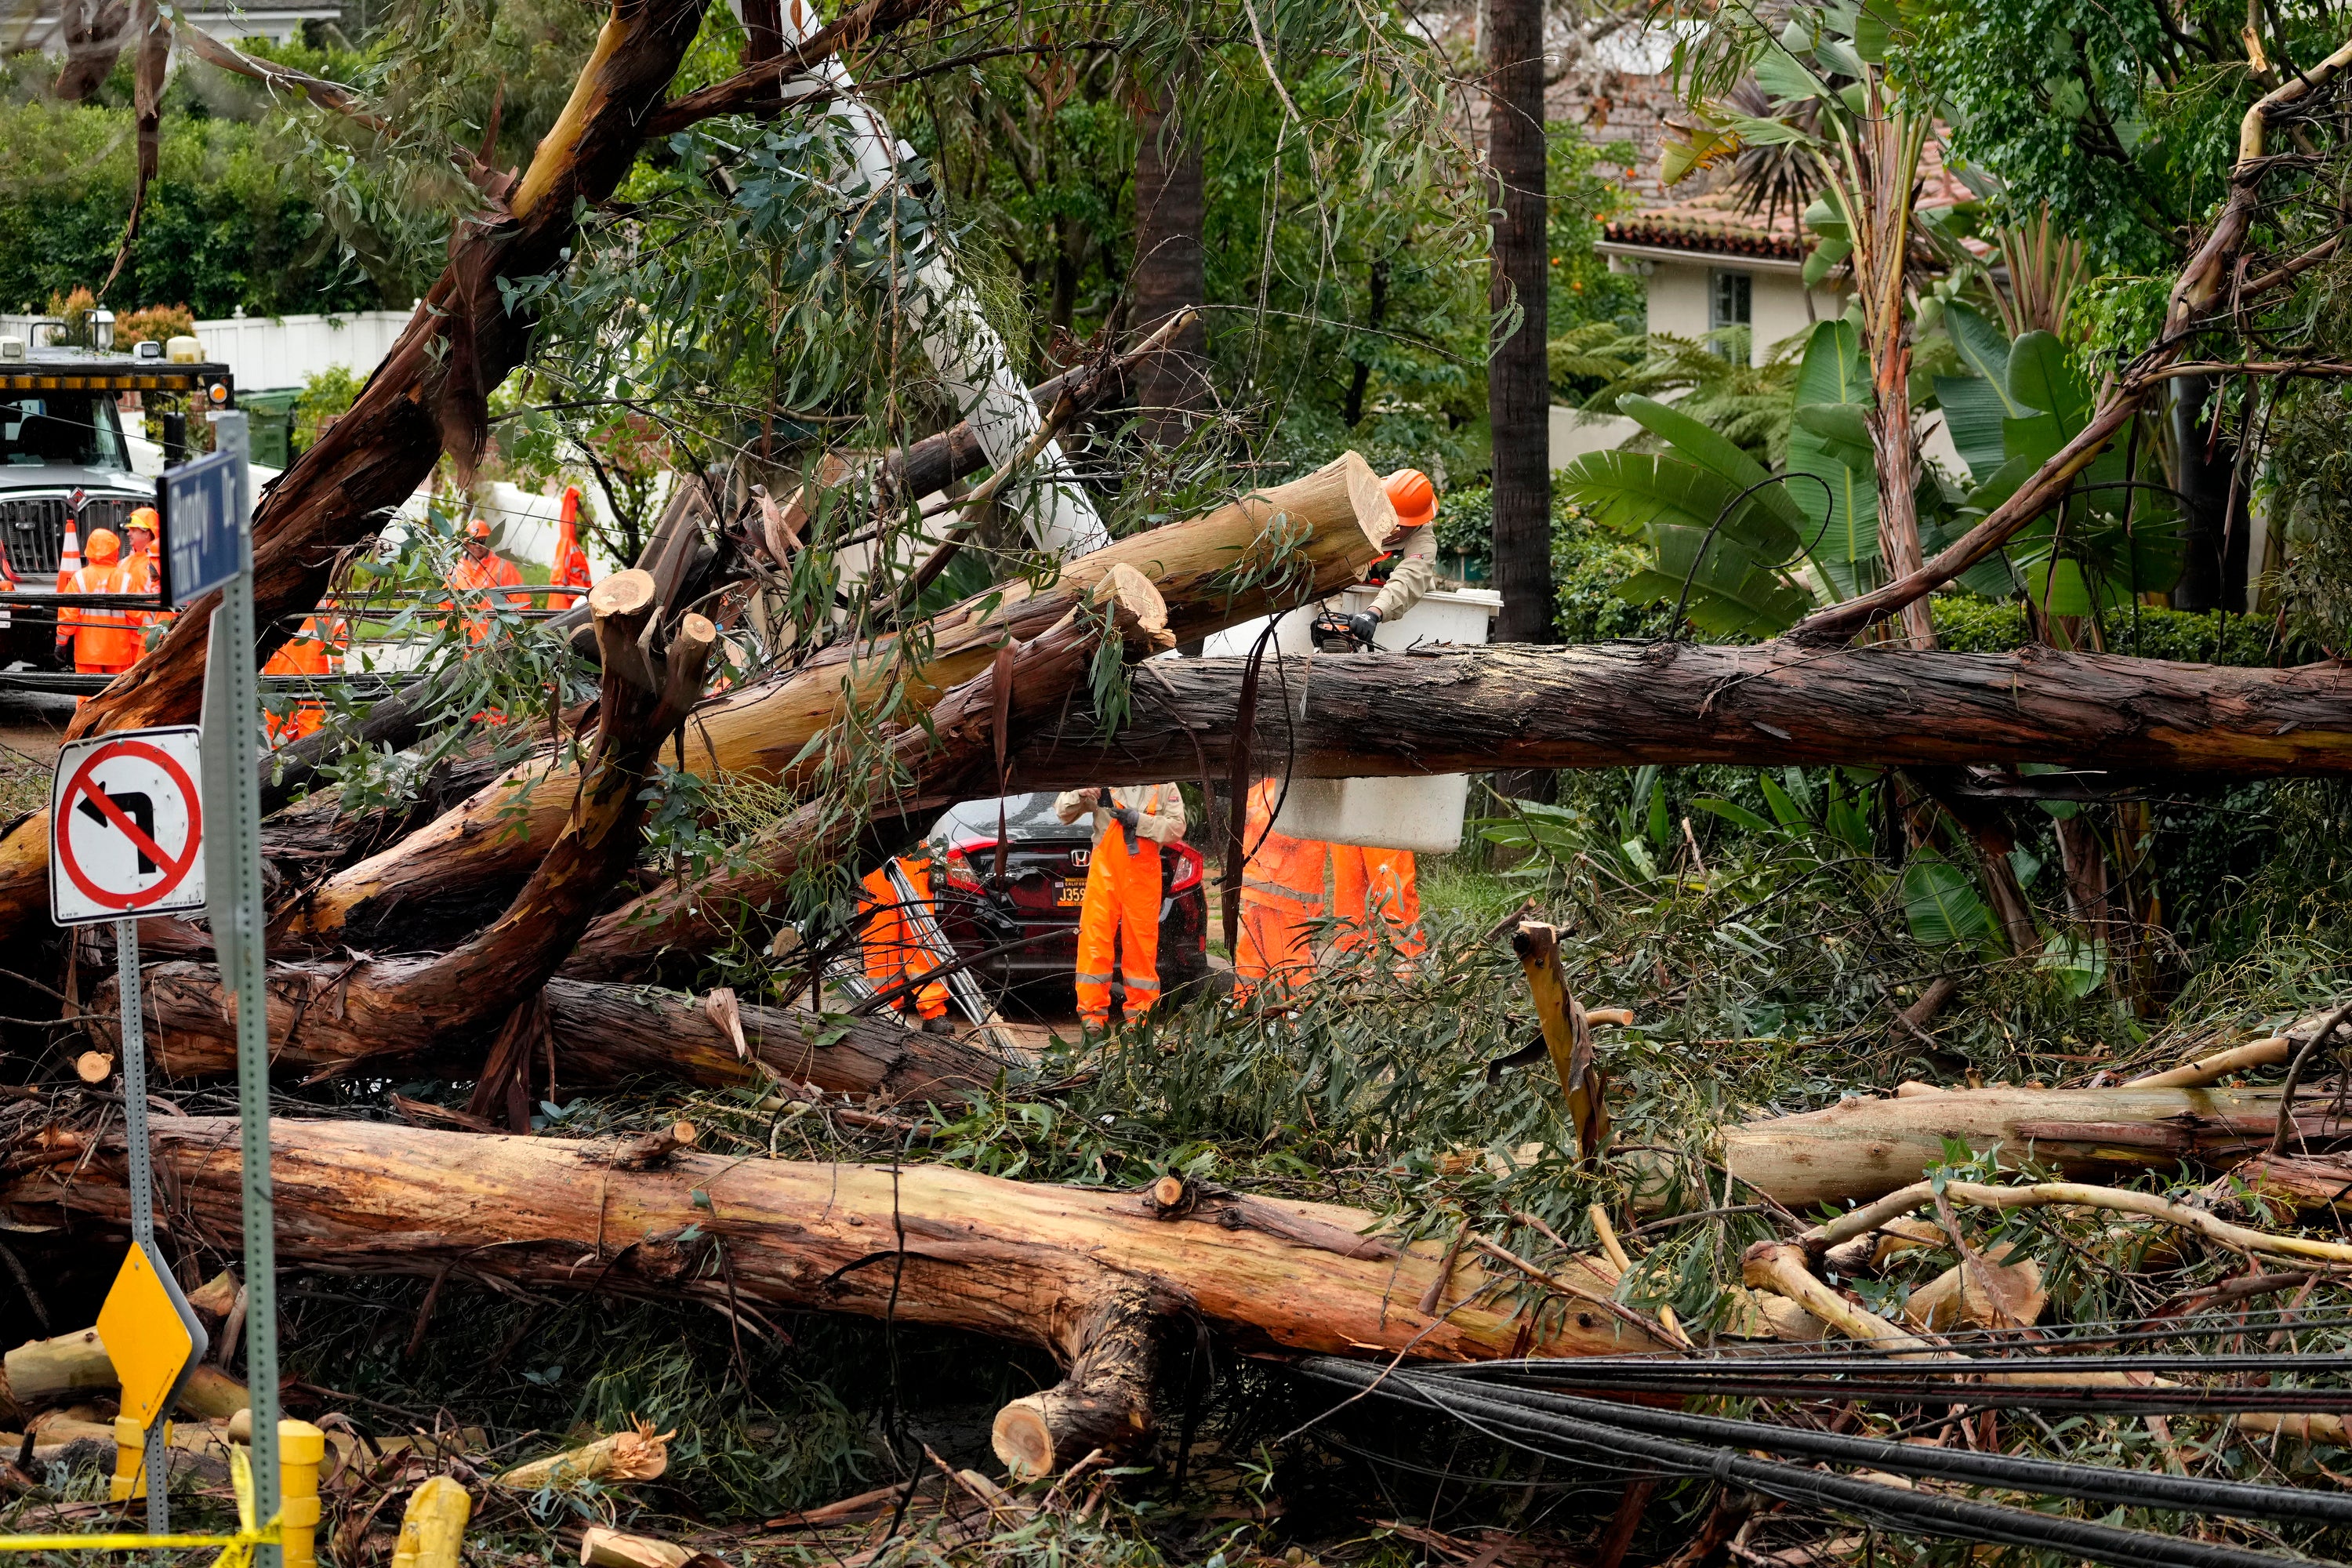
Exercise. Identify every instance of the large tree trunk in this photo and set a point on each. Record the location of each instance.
(1519, 376)
(601, 1034)
(923, 1243)
(1614, 705)
(1213, 571)
(1169, 266)
(1867, 1148)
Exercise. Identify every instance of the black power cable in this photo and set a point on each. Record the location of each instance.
(1996, 1383)
(1894, 1507)
(2049, 1478)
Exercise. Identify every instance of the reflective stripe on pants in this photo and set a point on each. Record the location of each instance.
(1120, 913)
(1282, 897)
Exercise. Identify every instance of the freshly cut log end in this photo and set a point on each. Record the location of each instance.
(1104, 1403)
(629, 593)
(93, 1067)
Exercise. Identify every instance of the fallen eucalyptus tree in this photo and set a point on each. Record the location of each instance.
(1097, 1277)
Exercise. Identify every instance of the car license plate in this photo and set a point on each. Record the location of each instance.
(1073, 894)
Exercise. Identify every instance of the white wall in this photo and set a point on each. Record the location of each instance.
(266, 352)
(1680, 292)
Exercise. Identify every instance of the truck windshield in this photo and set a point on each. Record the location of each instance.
(74, 429)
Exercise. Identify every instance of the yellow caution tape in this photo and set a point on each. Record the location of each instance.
(237, 1551)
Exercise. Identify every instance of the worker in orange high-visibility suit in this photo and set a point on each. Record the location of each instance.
(571, 560)
(311, 652)
(1120, 912)
(475, 582)
(893, 952)
(1282, 898)
(1376, 886)
(105, 639)
(146, 573)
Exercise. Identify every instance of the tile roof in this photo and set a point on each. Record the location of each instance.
(1714, 225)
(1717, 225)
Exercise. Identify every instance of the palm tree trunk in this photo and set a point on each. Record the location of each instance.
(1169, 270)
(1519, 390)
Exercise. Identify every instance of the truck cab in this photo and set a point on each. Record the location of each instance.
(64, 458)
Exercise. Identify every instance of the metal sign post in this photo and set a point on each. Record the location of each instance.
(126, 833)
(211, 539)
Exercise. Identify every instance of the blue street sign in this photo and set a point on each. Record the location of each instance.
(204, 526)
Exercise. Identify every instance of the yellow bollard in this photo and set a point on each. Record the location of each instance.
(130, 1458)
(433, 1530)
(300, 1447)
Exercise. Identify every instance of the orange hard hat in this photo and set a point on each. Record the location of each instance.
(478, 529)
(101, 546)
(1415, 498)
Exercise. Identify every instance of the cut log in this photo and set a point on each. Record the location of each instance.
(602, 1034)
(649, 1150)
(1866, 1148)
(1023, 1262)
(1620, 705)
(73, 1367)
(1272, 548)
(1104, 1403)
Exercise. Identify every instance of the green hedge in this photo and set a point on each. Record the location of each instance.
(224, 226)
(1966, 624)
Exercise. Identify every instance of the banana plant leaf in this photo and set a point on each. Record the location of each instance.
(1941, 905)
(1732, 591)
(1984, 349)
(1701, 445)
(1974, 408)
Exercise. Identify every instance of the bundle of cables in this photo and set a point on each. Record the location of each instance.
(1521, 1403)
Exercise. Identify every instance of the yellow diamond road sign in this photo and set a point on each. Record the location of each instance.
(150, 1336)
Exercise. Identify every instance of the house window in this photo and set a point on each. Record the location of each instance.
(1729, 304)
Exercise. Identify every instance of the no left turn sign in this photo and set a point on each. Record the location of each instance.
(126, 830)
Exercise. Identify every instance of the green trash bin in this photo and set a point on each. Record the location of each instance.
(270, 420)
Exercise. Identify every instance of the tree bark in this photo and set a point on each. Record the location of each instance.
(602, 1035)
(1518, 375)
(1213, 571)
(1614, 705)
(1171, 273)
(1019, 1261)
(2214, 533)
(1866, 1148)
(1104, 1403)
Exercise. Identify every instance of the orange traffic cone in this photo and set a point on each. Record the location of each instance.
(69, 559)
